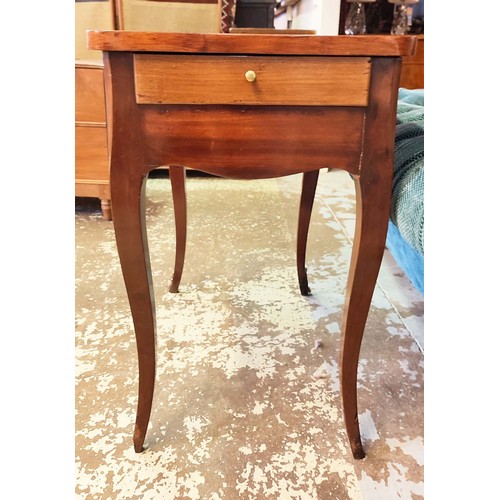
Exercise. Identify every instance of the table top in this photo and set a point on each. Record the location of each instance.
(258, 44)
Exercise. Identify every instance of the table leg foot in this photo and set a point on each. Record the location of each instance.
(357, 450)
(139, 438)
(303, 282)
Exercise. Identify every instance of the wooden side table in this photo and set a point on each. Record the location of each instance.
(214, 103)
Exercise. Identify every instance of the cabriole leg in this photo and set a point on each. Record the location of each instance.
(309, 182)
(130, 230)
(178, 182)
(372, 215)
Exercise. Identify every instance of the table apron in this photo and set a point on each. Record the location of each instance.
(253, 141)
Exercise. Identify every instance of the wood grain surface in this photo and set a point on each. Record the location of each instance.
(308, 80)
(237, 43)
(248, 141)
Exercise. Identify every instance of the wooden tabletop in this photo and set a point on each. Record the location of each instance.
(239, 43)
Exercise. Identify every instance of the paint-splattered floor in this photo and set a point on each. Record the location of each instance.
(245, 406)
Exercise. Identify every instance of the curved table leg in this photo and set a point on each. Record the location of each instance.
(131, 239)
(178, 182)
(372, 216)
(309, 182)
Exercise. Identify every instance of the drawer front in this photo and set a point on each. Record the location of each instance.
(89, 95)
(91, 153)
(296, 81)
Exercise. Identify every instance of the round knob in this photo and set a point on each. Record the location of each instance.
(250, 76)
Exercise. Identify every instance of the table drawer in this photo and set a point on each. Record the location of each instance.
(296, 80)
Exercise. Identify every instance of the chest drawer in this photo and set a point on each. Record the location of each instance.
(91, 153)
(252, 80)
(89, 94)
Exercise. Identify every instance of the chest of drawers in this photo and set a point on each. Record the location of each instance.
(91, 142)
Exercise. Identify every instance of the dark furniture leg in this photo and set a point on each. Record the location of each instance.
(373, 204)
(368, 249)
(131, 239)
(178, 181)
(128, 175)
(309, 182)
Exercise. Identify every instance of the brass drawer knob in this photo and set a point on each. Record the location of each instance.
(250, 76)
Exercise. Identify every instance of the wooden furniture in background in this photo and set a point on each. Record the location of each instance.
(91, 146)
(93, 14)
(185, 16)
(232, 140)
(91, 153)
(412, 72)
(91, 149)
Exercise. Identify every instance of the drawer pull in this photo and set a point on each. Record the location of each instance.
(250, 76)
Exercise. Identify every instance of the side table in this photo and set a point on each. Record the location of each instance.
(214, 103)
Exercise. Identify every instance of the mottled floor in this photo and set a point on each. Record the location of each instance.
(247, 405)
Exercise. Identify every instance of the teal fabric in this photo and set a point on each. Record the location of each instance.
(405, 238)
(407, 210)
(411, 97)
(410, 106)
(407, 258)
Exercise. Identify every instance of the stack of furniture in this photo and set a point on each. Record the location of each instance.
(91, 143)
(91, 126)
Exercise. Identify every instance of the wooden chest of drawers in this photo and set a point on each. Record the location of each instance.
(91, 148)
(412, 72)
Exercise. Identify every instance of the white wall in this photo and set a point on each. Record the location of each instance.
(319, 15)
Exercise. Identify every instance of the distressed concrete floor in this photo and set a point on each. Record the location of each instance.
(245, 406)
